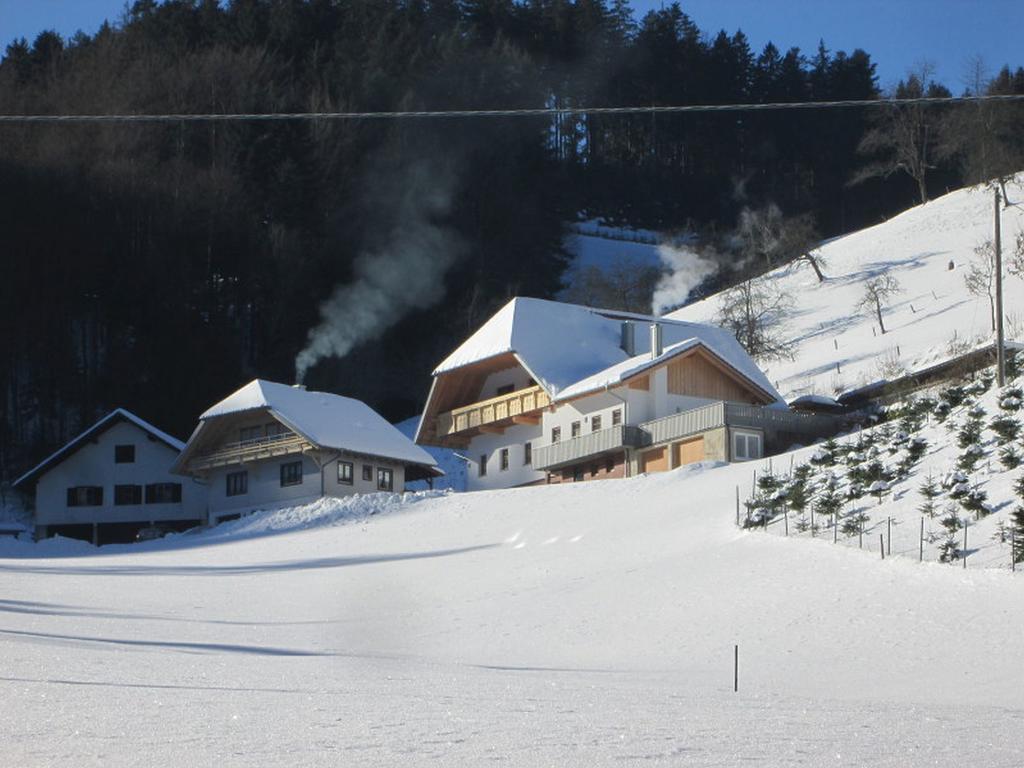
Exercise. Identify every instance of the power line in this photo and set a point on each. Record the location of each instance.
(533, 112)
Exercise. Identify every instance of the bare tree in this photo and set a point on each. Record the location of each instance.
(984, 137)
(754, 311)
(981, 276)
(877, 292)
(765, 233)
(905, 136)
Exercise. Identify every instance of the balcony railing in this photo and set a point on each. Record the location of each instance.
(250, 450)
(503, 408)
(576, 448)
(685, 423)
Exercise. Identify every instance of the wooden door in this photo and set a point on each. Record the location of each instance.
(654, 461)
(688, 451)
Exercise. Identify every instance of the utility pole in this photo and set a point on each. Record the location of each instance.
(1000, 348)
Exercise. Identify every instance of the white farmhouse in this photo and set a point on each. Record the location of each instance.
(111, 481)
(271, 444)
(550, 392)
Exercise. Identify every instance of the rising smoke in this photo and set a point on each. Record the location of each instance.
(685, 270)
(405, 272)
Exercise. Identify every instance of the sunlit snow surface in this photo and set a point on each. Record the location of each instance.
(916, 247)
(572, 625)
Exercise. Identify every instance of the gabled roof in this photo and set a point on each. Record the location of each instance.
(324, 419)
(118, 414)
(565, 345)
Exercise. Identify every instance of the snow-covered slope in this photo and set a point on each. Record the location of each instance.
(933, 315)
(590, 624)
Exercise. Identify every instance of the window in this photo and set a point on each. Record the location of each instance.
(593, 470)
(85, 496)
(276, 429)
(595, 423)
(556, 434)
(291, 473)
(237, 483)
(503, 459)
(527, 454)
(609, 465)
(746, 445)
(163, 493)
(507, 389)
(124, 454)
(249, 434)
(127, 494)
(346, 472)
(575, 429)
(577, 474)
(368, 473)
(385, 479)
(482, 466)
(616, 417)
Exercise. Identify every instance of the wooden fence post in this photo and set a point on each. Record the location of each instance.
(920, 557)
(785, 517)
(881, 545)
(965, 543)
(735, 668)
(888, 536)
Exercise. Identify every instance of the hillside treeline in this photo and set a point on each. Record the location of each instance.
(157, 266)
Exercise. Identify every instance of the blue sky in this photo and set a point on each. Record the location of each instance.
(897, 33)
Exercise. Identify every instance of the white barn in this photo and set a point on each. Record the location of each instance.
(271, 444)
(111, 481)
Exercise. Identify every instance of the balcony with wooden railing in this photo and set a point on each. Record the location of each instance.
(270, 446)
(496, 413)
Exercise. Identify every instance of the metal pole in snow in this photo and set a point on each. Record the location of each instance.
(735, 668)
(785, 516)
(737, 506)
(1000, 351)
(920, 557)
(965, 543)
(881, 545)
(1013, 550)
(888, 547)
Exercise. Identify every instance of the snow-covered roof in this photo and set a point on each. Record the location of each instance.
(325, 419)
(567, 347)
(118, 414)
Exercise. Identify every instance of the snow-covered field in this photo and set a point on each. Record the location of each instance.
(588, 624)
(916, 248)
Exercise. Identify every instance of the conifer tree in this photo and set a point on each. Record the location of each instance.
(929, 491)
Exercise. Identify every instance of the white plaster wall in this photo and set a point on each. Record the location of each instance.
(599, 404)
(265, 490)
(517, 473)
(93, 464)
(517, 377)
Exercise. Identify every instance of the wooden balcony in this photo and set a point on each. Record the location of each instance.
(495, 414)
(228, 454)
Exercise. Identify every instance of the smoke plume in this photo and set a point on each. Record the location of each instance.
(405, 272)
(686, 269)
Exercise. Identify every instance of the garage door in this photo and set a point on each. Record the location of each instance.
(654, 461)
(688, 451)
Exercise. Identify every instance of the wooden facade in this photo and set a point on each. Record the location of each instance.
(698, 374)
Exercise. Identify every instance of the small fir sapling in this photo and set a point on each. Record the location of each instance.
(915, 450)
(970, 429)
(878, 489)
(854, 523)
(942, 411)
(1010, 398)
(970, 457)
(1006, 427)
(829, 500)
(953, 395)
(975, 501)
(1010, 457)
(948, 549)
(929, 491)
(1017, 528)
(1002, 532)
(825, 455)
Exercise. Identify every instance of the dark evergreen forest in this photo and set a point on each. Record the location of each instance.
(160, 266)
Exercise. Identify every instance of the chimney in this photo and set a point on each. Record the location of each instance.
(299, 386)
(628, 342)
(656, 346)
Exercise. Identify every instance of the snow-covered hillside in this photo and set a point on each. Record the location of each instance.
(932, 317)
(588, 624)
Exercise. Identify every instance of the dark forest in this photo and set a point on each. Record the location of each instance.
(160, 266)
